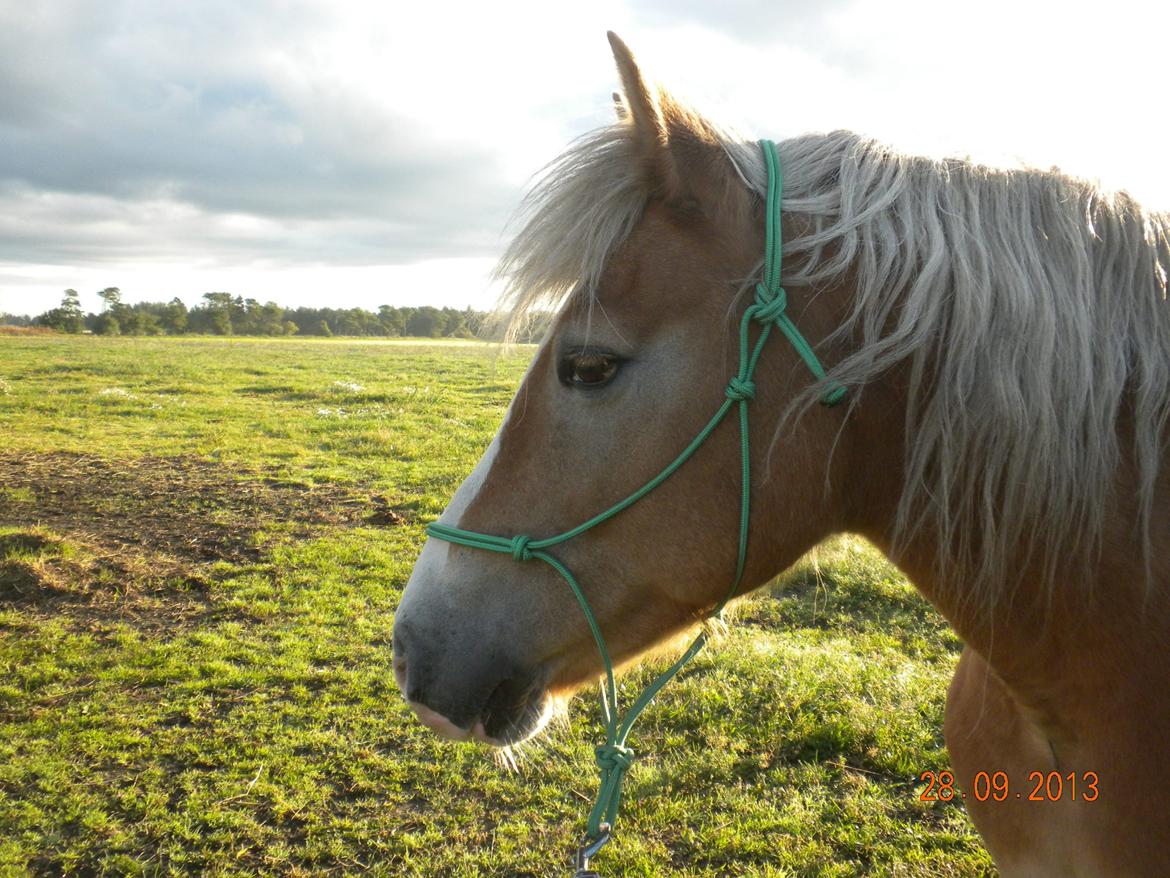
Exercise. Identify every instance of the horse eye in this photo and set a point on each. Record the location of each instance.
(587, 369)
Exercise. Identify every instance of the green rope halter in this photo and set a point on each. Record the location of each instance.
(614, 757)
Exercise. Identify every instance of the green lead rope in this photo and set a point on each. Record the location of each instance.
(614, 757)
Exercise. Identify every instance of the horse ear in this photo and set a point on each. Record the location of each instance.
(641, 108)
(681, 150)
(639, 102)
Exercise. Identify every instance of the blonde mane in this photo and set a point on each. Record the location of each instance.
(1028, 306)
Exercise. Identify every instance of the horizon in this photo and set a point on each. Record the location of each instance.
(203, 302)
(322, 155)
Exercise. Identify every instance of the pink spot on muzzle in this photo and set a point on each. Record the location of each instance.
(444, 728)
(438, 723)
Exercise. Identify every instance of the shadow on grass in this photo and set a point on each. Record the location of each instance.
(24, 543)
(46, 574)
(847, 587)
(281, 391)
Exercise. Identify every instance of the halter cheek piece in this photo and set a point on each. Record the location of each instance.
(767, 310)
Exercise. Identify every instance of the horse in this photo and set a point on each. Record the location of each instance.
(1002, 338)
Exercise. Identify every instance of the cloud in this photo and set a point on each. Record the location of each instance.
(274, 134)
(755, 22)
(222, 140)
(133, 113)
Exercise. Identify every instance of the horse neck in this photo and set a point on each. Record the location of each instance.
(1104, 619)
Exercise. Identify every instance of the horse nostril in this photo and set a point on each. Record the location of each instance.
(506, 704)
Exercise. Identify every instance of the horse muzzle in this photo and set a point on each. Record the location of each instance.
(468, 690)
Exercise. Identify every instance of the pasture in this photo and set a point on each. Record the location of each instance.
(202, 543)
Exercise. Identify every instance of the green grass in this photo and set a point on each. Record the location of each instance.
(202, 543)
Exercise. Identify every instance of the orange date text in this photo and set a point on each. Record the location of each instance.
(995, 786)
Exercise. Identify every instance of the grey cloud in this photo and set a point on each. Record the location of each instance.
(127, 104)
(65, 229)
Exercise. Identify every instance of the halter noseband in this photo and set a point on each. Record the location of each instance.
(767, 310)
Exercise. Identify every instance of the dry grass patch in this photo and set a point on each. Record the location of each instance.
(26, 330)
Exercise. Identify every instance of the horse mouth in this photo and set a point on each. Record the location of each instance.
(514, 712)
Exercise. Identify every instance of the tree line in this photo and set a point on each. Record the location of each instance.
(225, 314)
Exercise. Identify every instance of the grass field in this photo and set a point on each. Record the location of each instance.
(202, 543)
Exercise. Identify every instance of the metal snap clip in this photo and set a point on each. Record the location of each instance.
(588, 850)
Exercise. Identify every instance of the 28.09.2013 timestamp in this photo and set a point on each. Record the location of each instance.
(1050, 786)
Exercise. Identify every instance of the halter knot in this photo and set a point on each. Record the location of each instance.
(769, 306)
(520, 550)
(614, 757)
(740, 389)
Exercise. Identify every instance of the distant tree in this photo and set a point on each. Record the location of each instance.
(391, 320)
(141, 318)
(426, 322)
(220, 307)
(222, 313)
(135, 321)
(148, 322)
(67, 317)
(404, 314)
(267, 319)
(472, 321)
(458, 324)
(71, 305)
(246, 317)
(350, 322)
(174, 317)
(111, 297)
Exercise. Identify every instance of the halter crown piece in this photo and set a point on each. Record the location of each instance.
(614, 757)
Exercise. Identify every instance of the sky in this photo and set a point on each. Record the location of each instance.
(316, 152)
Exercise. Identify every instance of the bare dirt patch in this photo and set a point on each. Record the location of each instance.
(188, 508)
(142, 534)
